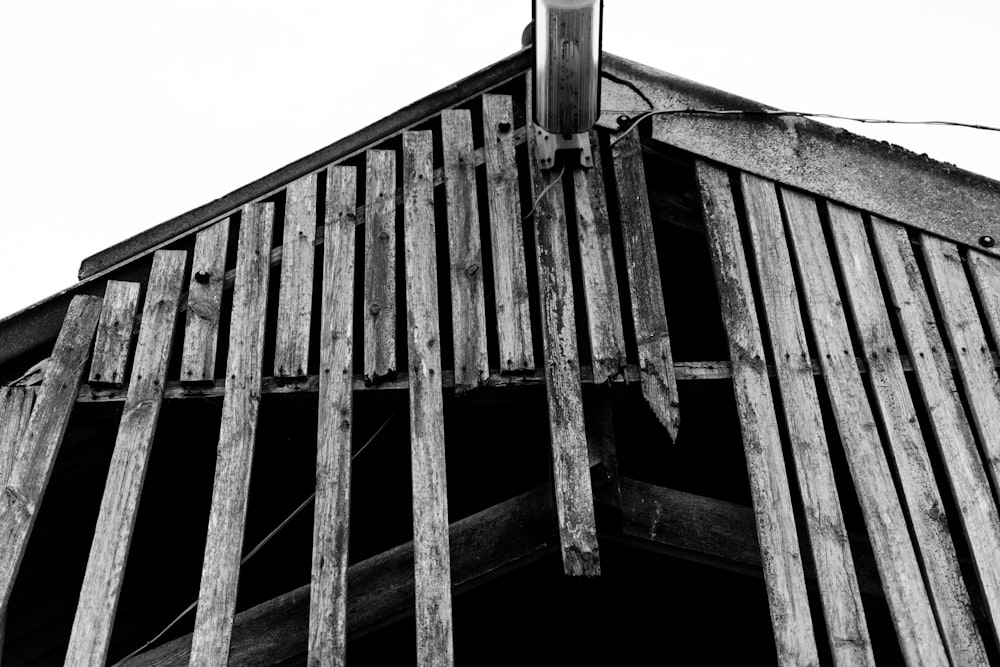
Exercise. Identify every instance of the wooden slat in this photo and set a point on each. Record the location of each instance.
(510, 282)
(29, 476)
(204, 301)
(291, 350)
(380, 265)
(328, 596)
(838, 585)
(432, 566)
(468, 314)
(237, 435)
(570, 465)
(659, 385)
(985, 270)
(779, 546)
(114, 333)
(909, 605)
(906, 443)
(95, 613)
(600, 285)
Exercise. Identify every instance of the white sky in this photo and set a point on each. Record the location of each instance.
(116, 116)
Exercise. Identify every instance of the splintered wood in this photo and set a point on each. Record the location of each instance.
(204, 302)
(380, 266)
(291, 350)
(114, 333)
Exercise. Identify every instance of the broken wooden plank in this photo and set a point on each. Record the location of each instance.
(510, 283)
(114, 333)
(432, 566)
(29, 475)
(291, 349)
(204, 301)
(380, 266)
(570, 465)
(331, 523)
(659, 385)
(237, 436)
(906, 442)
(95, 612)
(838, 585)
(909, 605)
(597, 263)
(468, 314)
(780, 556)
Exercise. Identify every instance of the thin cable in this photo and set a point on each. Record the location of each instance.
(542, 193)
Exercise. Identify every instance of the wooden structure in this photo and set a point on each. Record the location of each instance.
(738, 345)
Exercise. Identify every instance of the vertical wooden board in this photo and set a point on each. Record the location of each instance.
(838, 584)
(29, 476)
(291, 350)
(95, 613)
(380, 265)
(114, 333)
(468, 314)
(237, 436)
(204, 301)
(985, 270)
(328, 592)
(510, 281)
(431, 559)
(659, 383)
(909, 605)
(600, 285)
(570, 465)
(781, 559)
(15, 411)
(906, 443)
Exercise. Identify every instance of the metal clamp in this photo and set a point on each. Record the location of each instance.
(576, 147)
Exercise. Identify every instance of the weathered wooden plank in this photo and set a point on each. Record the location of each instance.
(906, 443)
(659, 385)
(510, 283)
(95, 612)
(985, 270)
(909, 605)
(29, 475)
(779, 546)
(468, 314)
(291, 350)
(432, 566)
(331, 525)
(843, 613)
(204, 301)
(570, 465)
(597, 262)
(114, 333)
(380, 265)
(237, 435)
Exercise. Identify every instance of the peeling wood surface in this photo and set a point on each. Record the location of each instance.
(221, 568)
(659, 385)
(781, 559)
(204, 301)
(291, 351)
(843, 612)
(906, 442)
(114, 333)
(380, 265)
(95, 612)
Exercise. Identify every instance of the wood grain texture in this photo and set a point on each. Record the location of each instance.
(468, 314)
(380, 265)
(237, 436)
(985, 271)
(95, 612)
(597, 262)
(781, 559)
(114, 333)
(291, 349)
(659, 385)
(909, 605)
(432, 564)
(204, 301)
(570, 465)
(331, 523)
(906, 442)
(843, 613)
(32, 468)
(510, 281)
